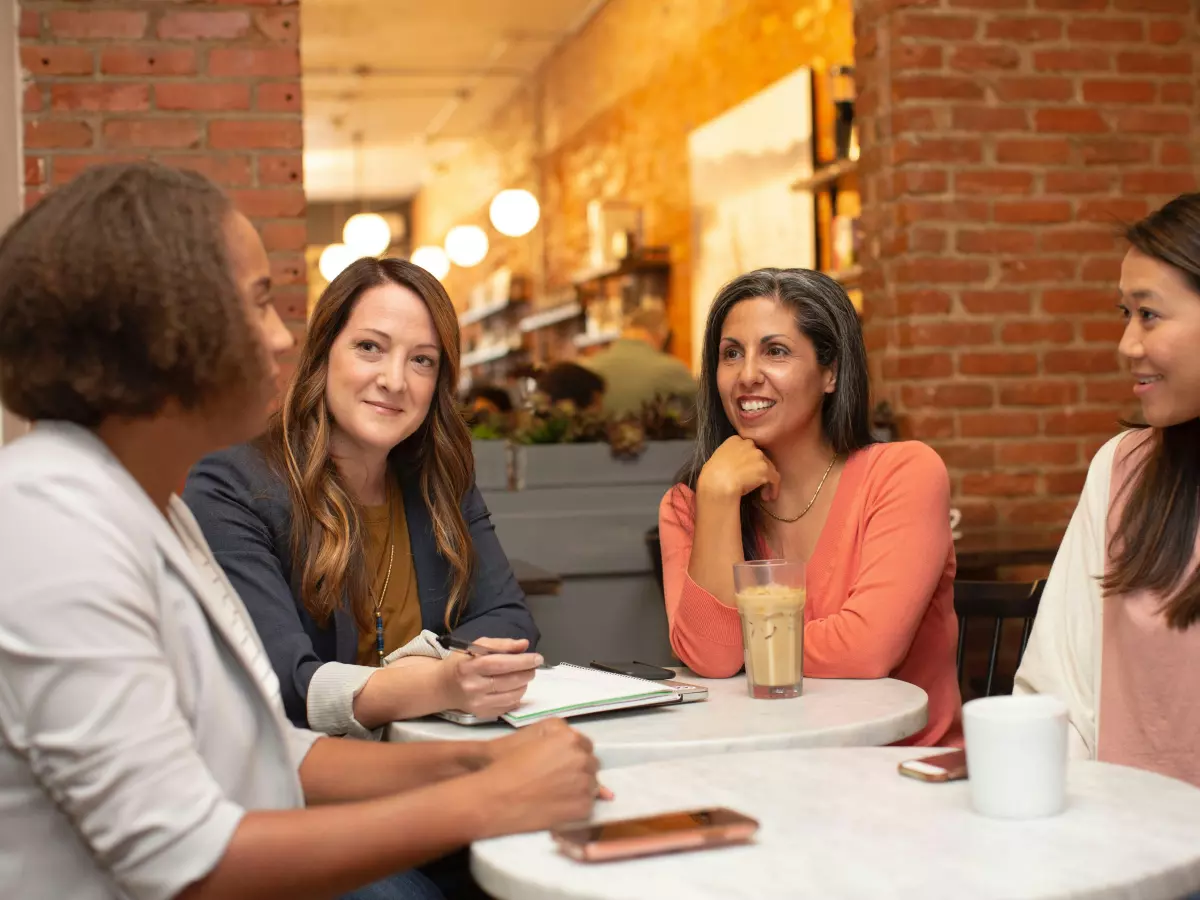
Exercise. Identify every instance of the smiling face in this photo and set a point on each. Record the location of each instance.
(1161, 343)
(772, 387)
(383, 371)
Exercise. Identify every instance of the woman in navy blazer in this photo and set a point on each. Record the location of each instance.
(353, 529)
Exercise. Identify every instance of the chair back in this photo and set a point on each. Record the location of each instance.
(654, 548)
(998, 601)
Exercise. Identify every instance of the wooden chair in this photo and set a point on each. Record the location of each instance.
(654, 548)
(999, 601)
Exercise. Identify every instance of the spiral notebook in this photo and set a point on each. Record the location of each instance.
(565, 690)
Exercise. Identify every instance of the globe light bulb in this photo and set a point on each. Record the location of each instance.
(514, 212)
(367, 234)
(466, 245)
(433, 260)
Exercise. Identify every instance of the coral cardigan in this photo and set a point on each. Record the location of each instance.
(880, 585)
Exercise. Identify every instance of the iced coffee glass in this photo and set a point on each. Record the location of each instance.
(770, 598)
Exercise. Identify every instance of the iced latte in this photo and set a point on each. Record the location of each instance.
(770, 598)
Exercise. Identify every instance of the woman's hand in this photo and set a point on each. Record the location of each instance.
(544, 775)
(737, 468)
(489, 686)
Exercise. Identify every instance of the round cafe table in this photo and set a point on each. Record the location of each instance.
(843, 824)
(830, 713)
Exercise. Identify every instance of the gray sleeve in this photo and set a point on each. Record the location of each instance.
(89, 700)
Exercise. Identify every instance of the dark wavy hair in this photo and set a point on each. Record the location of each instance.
(117, 297)
(824, 315)
(327, 530)
(1153, 545)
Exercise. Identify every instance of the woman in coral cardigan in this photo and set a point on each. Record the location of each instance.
(785, 466)
(1117, 637)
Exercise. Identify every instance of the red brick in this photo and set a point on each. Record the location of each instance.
(57, 133)
(1070, 121)
(1157, 62)
(1177, 92)
(269, 203)
(1107, 270)
(915, 57)
(61, 60)
(998, 364)
(1041, 453)
(998, 424)
(977, 514)
(985, 118)
(918, 212)
(999, 484)
(282, 96)
(279, 25)
(1040, 88)
(1116, 390)
(1071, 5)
(1025, 270)
(1032, 211)
(287, 269)
(930, 25)
(1158, 182)
(1112, 211)
(210, 96)
(93, 96)
(940, 270)
(281, 169)
(1024, 29)
(1107, 331)
(967, 456)
(914, 119)
(993, 182)
(1072, 61)
(1039, 393)
(1078, 240)
(1146, 121)
(984, 58)
(226, 170)
(152, 133)
(110, 24)
(944, 334)
(928, 425)
(1028, 512)
(35, 171)
(142, 59)
(921, 302)
(918, 365)
(920, 181)
(1097, 29)
(996, 241)
(1119, 91)
(1081, 422)
(935, 87)
(947, 396)
(31, 25)
(1073, 181)
(1107, 151)
(1153, 6)
(926, 240)
(1175, 153)
(988, 4)
(250, 134)
(66, 166)
(1064, 482)
(284, 235)
(1166, 32)
(1039, 152)
(1037, 332)
(208, 25)
(31, 100)
(269, 62)
(995, 302)
(291, 302)
(937, 150)
(1082, 362)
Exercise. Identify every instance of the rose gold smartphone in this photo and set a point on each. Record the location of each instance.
(665, 833)
(948, 766)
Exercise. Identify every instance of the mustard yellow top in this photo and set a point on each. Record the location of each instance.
(401, 607)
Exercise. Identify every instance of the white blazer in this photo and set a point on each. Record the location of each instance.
(139, 716)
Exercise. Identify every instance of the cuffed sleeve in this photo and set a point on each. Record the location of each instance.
(330, 703)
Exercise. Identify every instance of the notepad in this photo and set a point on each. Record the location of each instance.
(566, 690)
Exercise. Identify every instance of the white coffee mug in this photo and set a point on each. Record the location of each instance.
(1016, 755)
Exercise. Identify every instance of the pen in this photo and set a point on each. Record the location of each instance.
(472, 649)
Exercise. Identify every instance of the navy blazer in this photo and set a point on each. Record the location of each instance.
(244, 509)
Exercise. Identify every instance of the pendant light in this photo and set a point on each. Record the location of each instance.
(514, 212)
(367, 234)
(466, 245)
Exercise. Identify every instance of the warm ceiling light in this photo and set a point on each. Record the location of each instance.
(466, 245)
(514, 212)
(367, 233)
(334, 259)
(433, 260)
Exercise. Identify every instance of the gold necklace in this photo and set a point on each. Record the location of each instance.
(810, 502)
(386, 581)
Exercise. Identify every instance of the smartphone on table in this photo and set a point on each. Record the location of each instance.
(665, 833)
(635, 670)
(948, 765)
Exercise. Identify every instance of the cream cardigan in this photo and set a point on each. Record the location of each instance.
(1063, 656)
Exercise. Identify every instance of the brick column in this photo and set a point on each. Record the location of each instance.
(211, 86)
(1004, 142)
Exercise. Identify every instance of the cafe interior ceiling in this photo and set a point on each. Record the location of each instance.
(392, 87)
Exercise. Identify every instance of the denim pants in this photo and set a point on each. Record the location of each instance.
(412, 885)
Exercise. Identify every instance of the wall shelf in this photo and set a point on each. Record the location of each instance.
(552, 316)
(595, 340)
(479, 313)
(486, 355)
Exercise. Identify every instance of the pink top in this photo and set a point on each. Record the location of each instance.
(1149, 672)
(880, 585)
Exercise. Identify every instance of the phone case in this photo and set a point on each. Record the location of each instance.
(951, 767)
(648, 845)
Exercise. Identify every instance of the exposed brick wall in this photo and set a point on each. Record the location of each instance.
(212, 86)
(618, 101)
(1004, 140)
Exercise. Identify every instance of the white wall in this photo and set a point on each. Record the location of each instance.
(12, 169)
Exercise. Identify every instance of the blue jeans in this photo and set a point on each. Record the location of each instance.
(410, 885)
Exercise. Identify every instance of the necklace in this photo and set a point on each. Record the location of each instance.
(804, 512)
(386, 581)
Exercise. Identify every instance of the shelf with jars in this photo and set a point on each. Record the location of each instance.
(490, 324)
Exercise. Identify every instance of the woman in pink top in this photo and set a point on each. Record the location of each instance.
(786, 466)
(1117, 637)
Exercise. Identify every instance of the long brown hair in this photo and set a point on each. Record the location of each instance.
(327, 530)
(1155, 541)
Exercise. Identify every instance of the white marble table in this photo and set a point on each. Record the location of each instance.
(843, 824)
(831, 713)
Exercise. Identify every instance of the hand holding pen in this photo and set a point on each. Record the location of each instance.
(488, 676)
